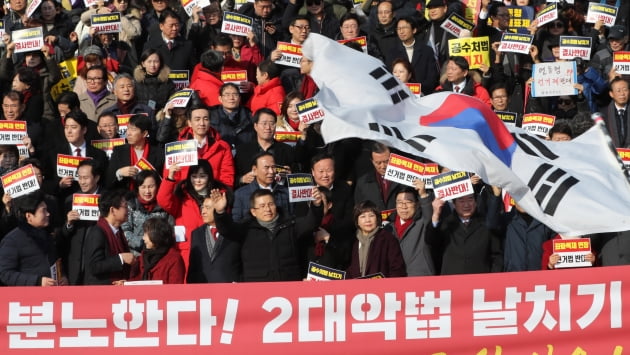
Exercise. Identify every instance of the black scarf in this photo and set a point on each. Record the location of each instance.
(150, 258)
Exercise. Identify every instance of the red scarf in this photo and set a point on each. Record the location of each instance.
(125, 108)
(116, 246)
(134, 160)
(401, 228)
(327, 222)
(147, 205)
(294, 125)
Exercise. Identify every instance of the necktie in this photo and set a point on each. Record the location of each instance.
(623, 126)
(456, 88)
(213, 232)
(77, 152)
(169, 44)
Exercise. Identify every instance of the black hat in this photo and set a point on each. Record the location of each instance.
(617, 32)
(436, 3)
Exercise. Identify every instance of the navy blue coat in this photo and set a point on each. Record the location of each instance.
(26, 254)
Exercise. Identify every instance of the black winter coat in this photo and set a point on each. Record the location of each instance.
(26, 254)
(153, 90)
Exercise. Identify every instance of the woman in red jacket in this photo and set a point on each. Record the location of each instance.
(269, 93)
(183, 200)
(160, 260)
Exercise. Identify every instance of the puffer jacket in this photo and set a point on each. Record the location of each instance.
(153, 90)
(136, 216)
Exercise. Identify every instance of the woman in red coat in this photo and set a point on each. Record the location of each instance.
(183, 200)
(269, 93)
(160, 260)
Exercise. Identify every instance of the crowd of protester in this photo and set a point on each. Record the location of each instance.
(228, 218)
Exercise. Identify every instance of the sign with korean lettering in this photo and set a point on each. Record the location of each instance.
(236, 24)
(415, 88)
(471, 10)
(236, 77)
(123, 123)
(239, 3)
(455, 24)
(317, 272)
(509, 118)
(538, 123)
(20, 181)
(548, 14)
(12, 132)
(288, 137)
(405, 171)
(291, 54)
(68, 69)
(86, 205)
(621, 62)
(32, 6)
(362, 41)
(385, 215)
(476, 50)
(183, 153)
(28, 39)
(571, 311)
(520, 18)
(554, 79)
(300, 187)
(451, 185)
(180, 98)
(606, 13)
(67, 165)
(181, 78)
(188, 6)
(106, 23)
(23, 151)
(572, 47)
(144, 164)
(624, 154)
(309, 112)
(572, 252)
(516, 43)
(89, 3)
(107, 145)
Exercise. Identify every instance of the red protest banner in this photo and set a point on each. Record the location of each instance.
(573, 311)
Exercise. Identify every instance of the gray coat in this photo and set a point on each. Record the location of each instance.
(136, 217)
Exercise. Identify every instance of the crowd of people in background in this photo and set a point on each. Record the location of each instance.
(229, 218)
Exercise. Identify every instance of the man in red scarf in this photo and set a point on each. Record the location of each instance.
(128, 159)
(106, 253)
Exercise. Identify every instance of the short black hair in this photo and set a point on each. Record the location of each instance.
(32, 161)
(261, 111)
(79, 117)
(106, 114)
(109, 199)
(97, 168)
(366, 206)
(26, 204)
(461, 62)
(269, 67)
(408, 190)
(212, 60)
(141, 121)
(69, 98)
(168, 13)
(494, 8)
(229, 85)
(378, 147)
(222, 39)
(410, 20)
(144, 174)
(259, 193)
(299, 17)
(100, 68)
(561, 126)
(260, 155)
(160, 232)
(319, 157)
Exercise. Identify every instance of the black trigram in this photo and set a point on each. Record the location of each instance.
(549, 185)
(390, 84)
(419, 142)
(532, 146)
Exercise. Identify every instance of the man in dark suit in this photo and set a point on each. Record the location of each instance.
(373, 186)
(617, 113)
(177, 52)
(106, 253)
(419, 54)
(123, 165)
(75, 144)
(213, 258)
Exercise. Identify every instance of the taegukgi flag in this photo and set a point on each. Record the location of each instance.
(575, 187)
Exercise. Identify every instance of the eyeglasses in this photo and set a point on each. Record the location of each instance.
(93, 80)
(302, 27)
(556, 25)
(313, 2)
